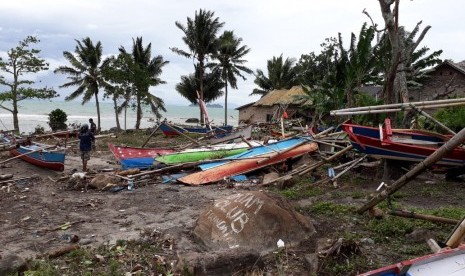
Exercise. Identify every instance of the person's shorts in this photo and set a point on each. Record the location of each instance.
(85, 155)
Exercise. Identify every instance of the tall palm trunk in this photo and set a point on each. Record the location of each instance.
(98, 112)
(139, 113)
(202, 116)
(226, 103)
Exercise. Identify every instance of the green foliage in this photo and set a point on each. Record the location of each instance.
(21, 61)
(57, 119)
(39, 130)
(212, 85)
(362, 99)
(452, 117)
(281, 75)
(200, 36)
(390, 227)
(330, 208)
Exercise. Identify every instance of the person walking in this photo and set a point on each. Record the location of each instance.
(86, 139)
(93, 130)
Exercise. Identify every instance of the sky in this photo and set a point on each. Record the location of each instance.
(268, 27)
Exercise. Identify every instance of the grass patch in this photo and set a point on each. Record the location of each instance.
(330, 208)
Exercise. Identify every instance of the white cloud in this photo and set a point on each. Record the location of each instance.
(269, 28)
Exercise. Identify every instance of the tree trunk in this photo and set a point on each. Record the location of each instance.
(391, 22)
(138, 113)
(98, 112)
(226, 103)
(201, 69)
(115, 105)
(15, 116)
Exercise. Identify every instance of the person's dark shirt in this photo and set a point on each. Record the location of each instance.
(93, 127)
(85, 143)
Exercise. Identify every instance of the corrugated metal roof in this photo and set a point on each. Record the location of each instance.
(283, 96)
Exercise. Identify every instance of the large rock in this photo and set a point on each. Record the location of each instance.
(251, 219)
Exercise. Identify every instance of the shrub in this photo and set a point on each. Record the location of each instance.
(39, 130)
(57, 120)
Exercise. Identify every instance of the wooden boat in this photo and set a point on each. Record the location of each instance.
(445, 262)
(134, 157)
(401, 144)
(253, 159)
(41, 155)
(204, 153)
(172, 130)
(240, 133)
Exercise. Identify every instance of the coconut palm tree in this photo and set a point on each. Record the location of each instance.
(200, 36)
(146, 72)
(230, 59)
(85, 72)
(212, 87)
(281, 75)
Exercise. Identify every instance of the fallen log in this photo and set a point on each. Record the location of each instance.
(406, 214)
(62, 251)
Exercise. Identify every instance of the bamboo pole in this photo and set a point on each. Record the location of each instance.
(437, 155)
(305, 169)
(182, 134)
(457, 235)
(432, 119)
(376, 111)
(150, 136)
(400, 105)
(405, 214)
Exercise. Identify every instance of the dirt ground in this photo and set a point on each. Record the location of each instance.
(39, 214)
(34, 209)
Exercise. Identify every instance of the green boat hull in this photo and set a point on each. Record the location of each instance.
(184, 157)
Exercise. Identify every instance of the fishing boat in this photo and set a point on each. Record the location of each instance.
(401, 144)
(239, 133)
(41, 155)
(204, 153)
(445, 262)
(253, 159)
(134, 157)
(172, 130)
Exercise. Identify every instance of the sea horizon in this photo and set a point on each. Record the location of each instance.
(34, 113)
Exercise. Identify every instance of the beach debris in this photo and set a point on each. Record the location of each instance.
(55, 253)
(251, 220)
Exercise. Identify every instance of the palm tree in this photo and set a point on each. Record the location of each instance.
(230, 56)
(281, 75)
(85, 72)
(200, 37)
(146, 72)
(212, 87)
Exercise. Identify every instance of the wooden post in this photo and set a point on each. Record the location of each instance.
(457, 235)
(455, 141)
(150, 136)
(405, 214)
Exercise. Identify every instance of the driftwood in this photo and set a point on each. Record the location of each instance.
(430, 160)
(307, 168)
(62, 251)
(406, 214)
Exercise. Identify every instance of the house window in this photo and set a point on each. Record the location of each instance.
(269, 117)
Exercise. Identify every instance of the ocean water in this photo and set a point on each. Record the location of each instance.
(33, 113)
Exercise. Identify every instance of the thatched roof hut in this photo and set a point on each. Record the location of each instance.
(293, 96)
